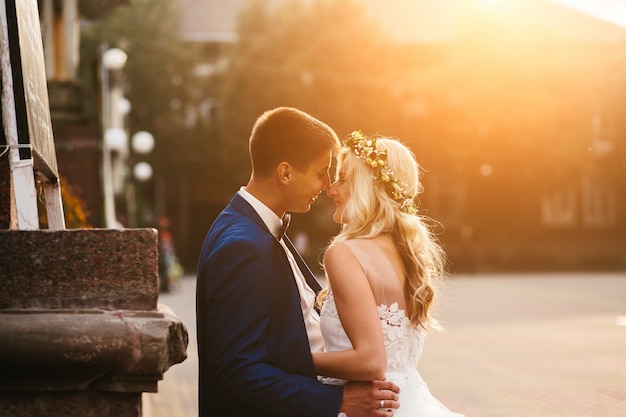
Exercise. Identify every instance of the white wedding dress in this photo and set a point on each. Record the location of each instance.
(403, 341)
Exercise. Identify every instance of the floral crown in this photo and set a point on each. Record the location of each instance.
(365, 149)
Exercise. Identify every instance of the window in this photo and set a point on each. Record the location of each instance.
(598, 203)
(559, 209)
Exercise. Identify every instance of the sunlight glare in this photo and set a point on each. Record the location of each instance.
(494, 3)
(610, 10)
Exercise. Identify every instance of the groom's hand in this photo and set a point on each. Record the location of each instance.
(369, 398)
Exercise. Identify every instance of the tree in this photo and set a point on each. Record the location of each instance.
(325, 57)
(328, 58)
(159, 78)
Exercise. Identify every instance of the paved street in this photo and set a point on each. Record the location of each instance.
(519, 345)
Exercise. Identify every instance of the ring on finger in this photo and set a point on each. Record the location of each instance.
(382, 403)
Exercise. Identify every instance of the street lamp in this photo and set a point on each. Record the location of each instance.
(114, 59)
(142, 143)
(114, 137)
(142, 171)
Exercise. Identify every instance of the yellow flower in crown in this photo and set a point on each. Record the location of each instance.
(365, 149)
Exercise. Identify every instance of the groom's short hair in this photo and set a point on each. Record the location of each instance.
(286, 134)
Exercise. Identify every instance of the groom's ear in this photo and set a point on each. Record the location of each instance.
(283, 170)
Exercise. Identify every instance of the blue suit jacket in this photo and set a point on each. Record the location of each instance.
(253, 349)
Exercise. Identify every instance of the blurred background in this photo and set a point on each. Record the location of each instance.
(515, 109)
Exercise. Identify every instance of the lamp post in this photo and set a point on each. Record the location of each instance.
(142, 143)
(114, 137)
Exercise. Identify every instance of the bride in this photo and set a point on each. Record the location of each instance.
(382, 270)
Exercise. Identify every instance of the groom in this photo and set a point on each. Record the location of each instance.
(256, 324)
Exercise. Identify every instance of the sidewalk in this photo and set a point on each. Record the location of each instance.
(178, 391)
(535, 345)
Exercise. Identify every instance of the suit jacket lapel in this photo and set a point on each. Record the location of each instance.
(240, 203)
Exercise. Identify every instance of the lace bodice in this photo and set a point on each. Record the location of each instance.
(403, 341)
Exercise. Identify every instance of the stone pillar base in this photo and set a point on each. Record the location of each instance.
(81, 333)
(84, 403)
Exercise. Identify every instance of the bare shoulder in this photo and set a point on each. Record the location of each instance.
(337, 251)
(342, 265)
(339, 256)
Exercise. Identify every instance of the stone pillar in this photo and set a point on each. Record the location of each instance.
(81, 331)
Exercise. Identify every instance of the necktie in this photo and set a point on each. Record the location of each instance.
(308, 275)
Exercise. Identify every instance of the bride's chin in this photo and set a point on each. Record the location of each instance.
(337, 218)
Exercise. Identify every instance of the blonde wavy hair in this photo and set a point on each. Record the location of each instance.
(372, 211)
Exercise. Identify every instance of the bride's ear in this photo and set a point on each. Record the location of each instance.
(284, 172)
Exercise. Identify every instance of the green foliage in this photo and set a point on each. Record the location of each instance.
(511, 91)
(325, 57)
(158, 77)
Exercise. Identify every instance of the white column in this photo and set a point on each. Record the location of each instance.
(24, 215)
(71, 38)
(47, 28)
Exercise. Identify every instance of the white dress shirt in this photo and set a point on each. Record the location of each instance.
(307, 295)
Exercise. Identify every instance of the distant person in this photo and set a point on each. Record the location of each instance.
(170, 269)
(381, 269)
(255, 297)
